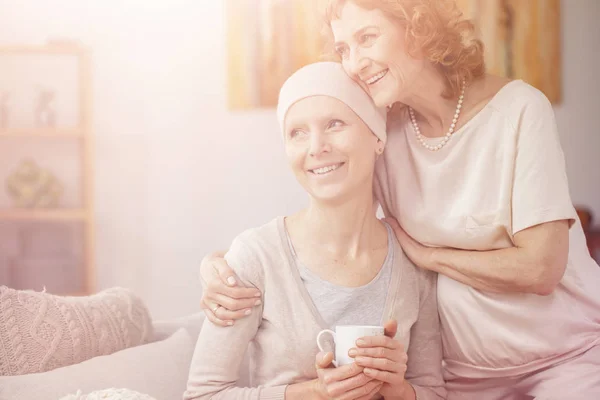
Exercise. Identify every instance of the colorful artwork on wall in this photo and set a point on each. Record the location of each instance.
(522, 40)
(270, 39)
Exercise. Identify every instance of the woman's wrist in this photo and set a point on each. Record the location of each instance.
(434, 260)
(304, 390)
(406, 392)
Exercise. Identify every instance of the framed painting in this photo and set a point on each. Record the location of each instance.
(522, 40)
(268, 40)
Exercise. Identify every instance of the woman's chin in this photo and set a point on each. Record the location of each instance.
(327, 197)
(383, 99)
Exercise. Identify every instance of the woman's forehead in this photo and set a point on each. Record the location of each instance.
(317, 108)
(353, 18)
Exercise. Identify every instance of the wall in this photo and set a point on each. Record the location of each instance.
(178, 176)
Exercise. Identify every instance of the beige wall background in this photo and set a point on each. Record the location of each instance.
(178, 175)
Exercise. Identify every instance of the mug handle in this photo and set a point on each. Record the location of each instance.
(332, 333)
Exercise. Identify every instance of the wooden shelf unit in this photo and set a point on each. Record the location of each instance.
(82, 133)
(35, 132)
(25, 214)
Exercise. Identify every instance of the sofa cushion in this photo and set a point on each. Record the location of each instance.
(40, 331)
(166, 327)
(158, 369)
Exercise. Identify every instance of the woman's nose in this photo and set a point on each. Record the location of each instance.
(357, 64)
(318, 145)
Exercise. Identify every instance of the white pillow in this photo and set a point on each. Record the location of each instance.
(109, 394)
(158, 369)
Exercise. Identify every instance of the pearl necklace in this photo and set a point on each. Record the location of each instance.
(448, 135)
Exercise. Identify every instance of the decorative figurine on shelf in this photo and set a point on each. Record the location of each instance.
(31, 186)
(45, 115)
(4, 115)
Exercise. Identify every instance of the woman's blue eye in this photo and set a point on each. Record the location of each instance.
(335, 123)
(296, 133)
(366, 37)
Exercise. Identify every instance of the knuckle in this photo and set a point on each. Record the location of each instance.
(359, 380)
(364, 379)
(319, 357)
(364, 390)
(247, 303)
(223, 268)
(225, 314)
(381, 352)
(228, 303)
(234, 293)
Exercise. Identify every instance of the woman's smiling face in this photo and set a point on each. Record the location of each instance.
(331, 151)
(373, 52)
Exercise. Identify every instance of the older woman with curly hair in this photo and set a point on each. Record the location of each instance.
(473, 181)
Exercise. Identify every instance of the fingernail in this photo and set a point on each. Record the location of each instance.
(361, 342)
(367, 371)
(352, 352)
(257, 303)
(248, 312)
(229, 323)
(231, 281)
(257, 294)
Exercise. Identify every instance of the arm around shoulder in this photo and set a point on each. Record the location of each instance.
(218, 358)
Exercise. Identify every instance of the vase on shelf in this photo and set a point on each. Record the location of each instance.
(30, 186)
(45, 115)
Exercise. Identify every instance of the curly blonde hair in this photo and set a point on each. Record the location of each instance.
(436, 29)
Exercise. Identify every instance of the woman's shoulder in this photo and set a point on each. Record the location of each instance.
(256, 235)
(255, 246)
(517, 96)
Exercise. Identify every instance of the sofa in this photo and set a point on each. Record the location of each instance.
(156, 366)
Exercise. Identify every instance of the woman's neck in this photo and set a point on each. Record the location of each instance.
(434, 113)
(343, 230)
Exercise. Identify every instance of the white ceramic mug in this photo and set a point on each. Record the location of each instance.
(345, 337)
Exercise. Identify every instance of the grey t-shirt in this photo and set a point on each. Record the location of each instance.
(341, 305)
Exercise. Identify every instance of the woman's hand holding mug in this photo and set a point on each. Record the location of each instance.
(346, 382)
(383, 359)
